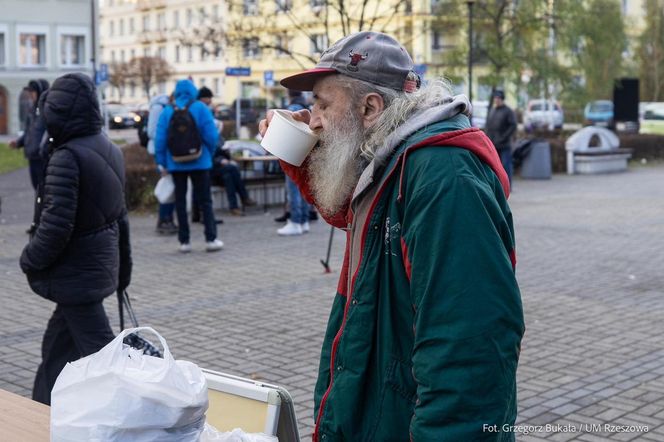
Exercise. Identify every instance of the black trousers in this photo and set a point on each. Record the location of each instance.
(200, 179)
(72, 333)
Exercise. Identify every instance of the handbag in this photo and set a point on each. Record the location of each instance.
(165, 190)
(134, 340)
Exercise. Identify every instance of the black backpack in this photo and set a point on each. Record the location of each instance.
(142, 129)
(184, 141)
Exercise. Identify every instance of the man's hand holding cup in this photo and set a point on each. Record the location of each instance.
(287, 136)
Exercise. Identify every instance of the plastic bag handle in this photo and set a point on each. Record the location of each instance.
(128, 331)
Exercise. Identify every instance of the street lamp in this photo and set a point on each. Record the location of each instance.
(470, 4)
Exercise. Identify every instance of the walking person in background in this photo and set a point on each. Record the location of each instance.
(185, 142)
(80, 252)
(165, 224)
(33, 139)
(500, 128)
(298, 223)
(419, 346)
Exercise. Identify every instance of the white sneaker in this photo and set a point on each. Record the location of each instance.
(305, 227)
(214, 246)
(185, 248)
(290, 229)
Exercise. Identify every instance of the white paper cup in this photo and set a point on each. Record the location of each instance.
(287, 139)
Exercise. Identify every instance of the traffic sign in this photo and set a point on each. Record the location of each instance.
(102, 74)
(269, 78)
(238, 71)
(420, 69)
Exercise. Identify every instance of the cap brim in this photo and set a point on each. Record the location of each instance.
(304, 81)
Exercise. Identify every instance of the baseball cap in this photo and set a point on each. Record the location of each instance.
(369, 56)
(499, 93)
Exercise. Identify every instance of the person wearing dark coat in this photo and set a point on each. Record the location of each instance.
(500, 128)
(80, 251)
(32, 138)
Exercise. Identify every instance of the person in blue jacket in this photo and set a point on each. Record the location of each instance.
(197, 170)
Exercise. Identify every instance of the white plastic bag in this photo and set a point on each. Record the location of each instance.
(165, 190)
(211, 434)
(120, 394)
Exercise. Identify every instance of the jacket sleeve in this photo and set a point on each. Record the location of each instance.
(58, 215)
(510, 126)
(160, 138)
(467, 321)
(209, 132)
(126, 263)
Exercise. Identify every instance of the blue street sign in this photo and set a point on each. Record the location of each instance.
(420, 69)
(238, 71)
(269, 78)
(103, 70)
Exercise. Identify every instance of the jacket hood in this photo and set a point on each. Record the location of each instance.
(185, 91)
(71, 108)
(162, 99)
(39, 86)
(450, 108)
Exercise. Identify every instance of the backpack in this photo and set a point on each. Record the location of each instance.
(142, 129)
(184, 141)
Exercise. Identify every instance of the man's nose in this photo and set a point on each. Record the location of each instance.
(315, 124)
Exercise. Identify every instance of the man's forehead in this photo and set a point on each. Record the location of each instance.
(326, 86)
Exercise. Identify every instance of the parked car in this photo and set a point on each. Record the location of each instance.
(652, 119)
(599, 113)
(252, 110)
(480, 110)
(120, 117)
(223, 112)
(540, 113)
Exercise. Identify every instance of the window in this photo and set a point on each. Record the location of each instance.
(190, 54)
(161, 52)
(190, 17)
(132, 54)
(111, 28)
(204, 54)
(132, 25)
(318, 43)
(161, 21)
(283, 5)
(281, 46)
(250, 7)
(132, 89)
(177, 53)
(3, 57)
(250, 48)
(113, 56)
(146, 23)
(146, 52)
(201, 16)
(215, 12)
(317, 4)
(217, 86)
(202, 81)
(121, 27)
(122, 56)
(72, 50)
(436, 41)
(32, 49)
(176, 19)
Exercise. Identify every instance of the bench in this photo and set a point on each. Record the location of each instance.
(604, 157)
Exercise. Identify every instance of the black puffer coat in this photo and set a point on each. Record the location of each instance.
(35, 127)
(80, 251)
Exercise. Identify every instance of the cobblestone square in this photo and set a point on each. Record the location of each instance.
(590, 254)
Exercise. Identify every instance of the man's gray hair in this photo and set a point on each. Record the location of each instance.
(399, 106)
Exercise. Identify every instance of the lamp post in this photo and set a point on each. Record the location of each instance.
(470, 4)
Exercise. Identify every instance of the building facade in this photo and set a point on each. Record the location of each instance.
(40, 39)
(274, 38)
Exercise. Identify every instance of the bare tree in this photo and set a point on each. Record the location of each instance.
(149, 71)
(248, 34)
(118, 76)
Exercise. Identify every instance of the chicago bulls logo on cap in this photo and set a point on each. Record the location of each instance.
(355, 59)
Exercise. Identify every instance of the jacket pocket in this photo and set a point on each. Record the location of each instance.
(400, 379)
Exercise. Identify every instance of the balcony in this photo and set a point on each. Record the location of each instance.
(146, 5)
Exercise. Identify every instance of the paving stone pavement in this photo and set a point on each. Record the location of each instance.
(590, 253)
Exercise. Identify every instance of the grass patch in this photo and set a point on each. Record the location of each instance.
(11, 159)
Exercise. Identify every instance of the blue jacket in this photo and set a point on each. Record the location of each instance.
(185, 91)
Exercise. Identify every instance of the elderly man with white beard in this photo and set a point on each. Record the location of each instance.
(425, 330)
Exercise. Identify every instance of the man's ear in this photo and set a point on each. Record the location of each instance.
(372, 108)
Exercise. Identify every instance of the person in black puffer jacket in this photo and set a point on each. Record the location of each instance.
(80, 252)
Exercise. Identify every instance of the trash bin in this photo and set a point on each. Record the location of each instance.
(537, 163)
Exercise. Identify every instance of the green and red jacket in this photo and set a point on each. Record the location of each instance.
(424, 335)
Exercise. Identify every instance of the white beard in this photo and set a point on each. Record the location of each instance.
(335, 165)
